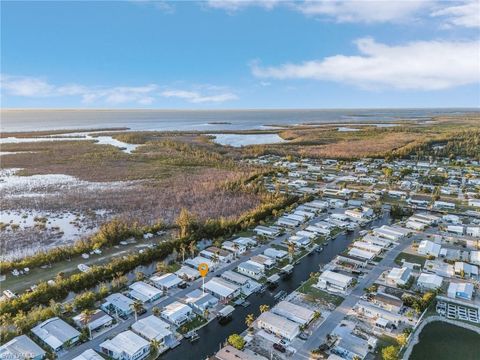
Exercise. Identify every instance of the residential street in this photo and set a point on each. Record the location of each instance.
(319, 335)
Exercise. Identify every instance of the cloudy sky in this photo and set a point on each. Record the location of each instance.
(240, 54)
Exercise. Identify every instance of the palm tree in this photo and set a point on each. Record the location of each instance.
(156, 311)
(249, 319)
(192, 247)
(183, 249)
(291, 250)
(86, 317)
(215, 258)
(264, 308)
(136, 306)
(236, 247)
(155, 345)
(206, 313)
(184, 221)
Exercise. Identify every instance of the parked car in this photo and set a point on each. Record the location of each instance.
(279, 347)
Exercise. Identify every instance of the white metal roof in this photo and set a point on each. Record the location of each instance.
(127, 342)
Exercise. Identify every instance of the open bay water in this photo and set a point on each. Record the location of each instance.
(204, 120)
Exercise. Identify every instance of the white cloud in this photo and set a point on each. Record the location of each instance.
(166, 7)
(367, 11)
(33, 87)
(465, 14)
(197, 98)
(235, 5)
(339, 10)
(452, 13)
(422, 65)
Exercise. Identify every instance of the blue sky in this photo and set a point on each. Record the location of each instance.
(240, 54)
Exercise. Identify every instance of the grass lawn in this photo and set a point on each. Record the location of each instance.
(192, 324)
(410, 258)
(307, 288)
(245, 233)
(383, 342)
(320, 240)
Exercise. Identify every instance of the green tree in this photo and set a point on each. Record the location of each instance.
(87, 315)
(192, 247)
(390, 353)
(137, 307)
(264, 308)
(249, 319)
(185, 221)
(183, 250)
(154, 345)
(156, 311)
(236, 341)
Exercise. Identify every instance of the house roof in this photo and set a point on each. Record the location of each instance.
(89, 355)
(166, 280)
(144, 292)
(151, 328)
(120, 301)
(176, 309)
(55, 332)
(286, 308)
(230, 353)
(127, 342)
(19, 346)
(278, 322)
(221, 287)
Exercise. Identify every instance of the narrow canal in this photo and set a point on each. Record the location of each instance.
(213, 335)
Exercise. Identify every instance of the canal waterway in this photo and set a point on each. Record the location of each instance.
(213, 335)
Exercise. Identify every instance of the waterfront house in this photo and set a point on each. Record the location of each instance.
(153, 328)
(126, 346)
(200, 301)
(278, 325)
(293, 312)
(275, 253)
(222, 289)
(230, 353)
(329, 280)
(251, 269)
(265, 261)
(177, 313)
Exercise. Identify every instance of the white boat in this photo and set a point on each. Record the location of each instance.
(85, 256)
(83, 267)
(15, 272)
(97, 251)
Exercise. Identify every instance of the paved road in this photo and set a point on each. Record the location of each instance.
(318, 337)
(125, 324)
